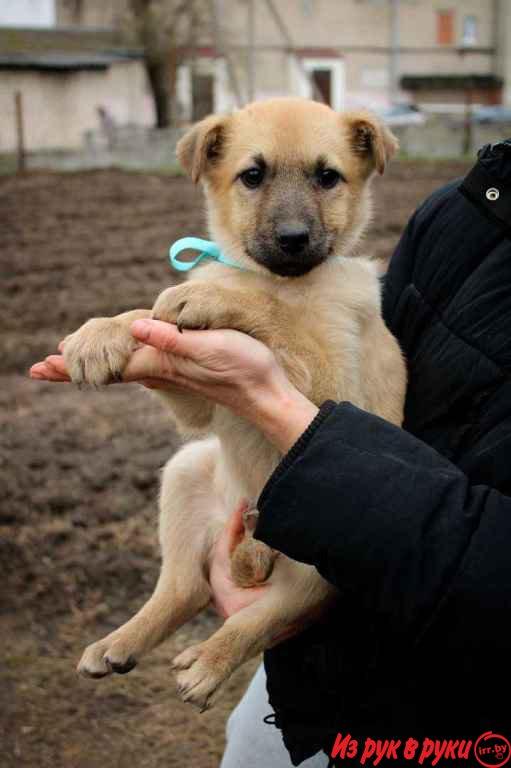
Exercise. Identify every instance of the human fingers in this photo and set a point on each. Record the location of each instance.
(156, 333)
(149, 364)
(46, 371)
(193, 345)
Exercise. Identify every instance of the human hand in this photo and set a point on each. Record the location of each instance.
(225, 366)
(227, 597)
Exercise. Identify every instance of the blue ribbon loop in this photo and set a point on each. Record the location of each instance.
(207, 250)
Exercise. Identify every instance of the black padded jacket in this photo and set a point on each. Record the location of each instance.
(412, 525)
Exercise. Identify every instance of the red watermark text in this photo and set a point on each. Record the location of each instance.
(489, 750)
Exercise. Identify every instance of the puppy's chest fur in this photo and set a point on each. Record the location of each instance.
(317, 340)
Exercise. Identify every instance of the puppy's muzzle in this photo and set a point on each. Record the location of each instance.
(289, 249)
(294, 253)
(293, 240)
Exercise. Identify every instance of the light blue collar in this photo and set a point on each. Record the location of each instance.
(207, 250)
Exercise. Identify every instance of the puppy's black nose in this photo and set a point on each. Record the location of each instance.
(293, 238)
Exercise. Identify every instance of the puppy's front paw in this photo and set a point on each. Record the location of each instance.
(199, 675)
(106, 656)
(98, 351)
(193, 306)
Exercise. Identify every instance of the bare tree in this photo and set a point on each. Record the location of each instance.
(165, 29)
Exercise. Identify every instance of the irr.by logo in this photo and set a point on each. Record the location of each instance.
(491, 749)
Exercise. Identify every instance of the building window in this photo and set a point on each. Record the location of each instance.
(470, 30)
(445, 27)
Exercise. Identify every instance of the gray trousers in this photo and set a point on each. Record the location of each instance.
(252, 743)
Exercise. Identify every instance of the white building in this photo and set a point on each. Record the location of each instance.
(65, 77)
(27, 13)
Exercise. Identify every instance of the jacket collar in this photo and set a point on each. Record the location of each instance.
(488, 184)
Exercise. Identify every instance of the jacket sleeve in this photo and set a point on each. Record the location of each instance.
(388, 520)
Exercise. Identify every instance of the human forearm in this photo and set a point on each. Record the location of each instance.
(380, 513)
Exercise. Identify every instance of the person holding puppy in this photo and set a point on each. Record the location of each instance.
(412, 525)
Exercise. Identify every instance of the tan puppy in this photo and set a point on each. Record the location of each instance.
(287, 187)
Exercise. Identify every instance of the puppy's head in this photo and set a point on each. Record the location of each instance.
(287, 180)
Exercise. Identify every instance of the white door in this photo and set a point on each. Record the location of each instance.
(328, 76)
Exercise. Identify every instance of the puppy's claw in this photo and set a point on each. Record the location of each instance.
(92, 675)
(105, 657)
(121, 668)
(183, 325)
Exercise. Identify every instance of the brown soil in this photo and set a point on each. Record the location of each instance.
(79, 469)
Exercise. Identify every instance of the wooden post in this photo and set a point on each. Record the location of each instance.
(20, 132)
(394, 65)
(251, 49)
(223, 50)
(468, 131)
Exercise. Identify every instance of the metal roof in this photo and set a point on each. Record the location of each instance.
(439, 82)
(61, 62)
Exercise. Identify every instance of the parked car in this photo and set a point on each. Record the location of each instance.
(402, 114)
(490, 115)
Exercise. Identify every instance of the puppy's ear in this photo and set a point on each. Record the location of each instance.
(201, 145)
(371, 139)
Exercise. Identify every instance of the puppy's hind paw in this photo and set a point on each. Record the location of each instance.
(104, 657)
(198, 680)
(185, 659)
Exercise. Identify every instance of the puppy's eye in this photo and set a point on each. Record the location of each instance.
(252, 177)
(328, 178)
